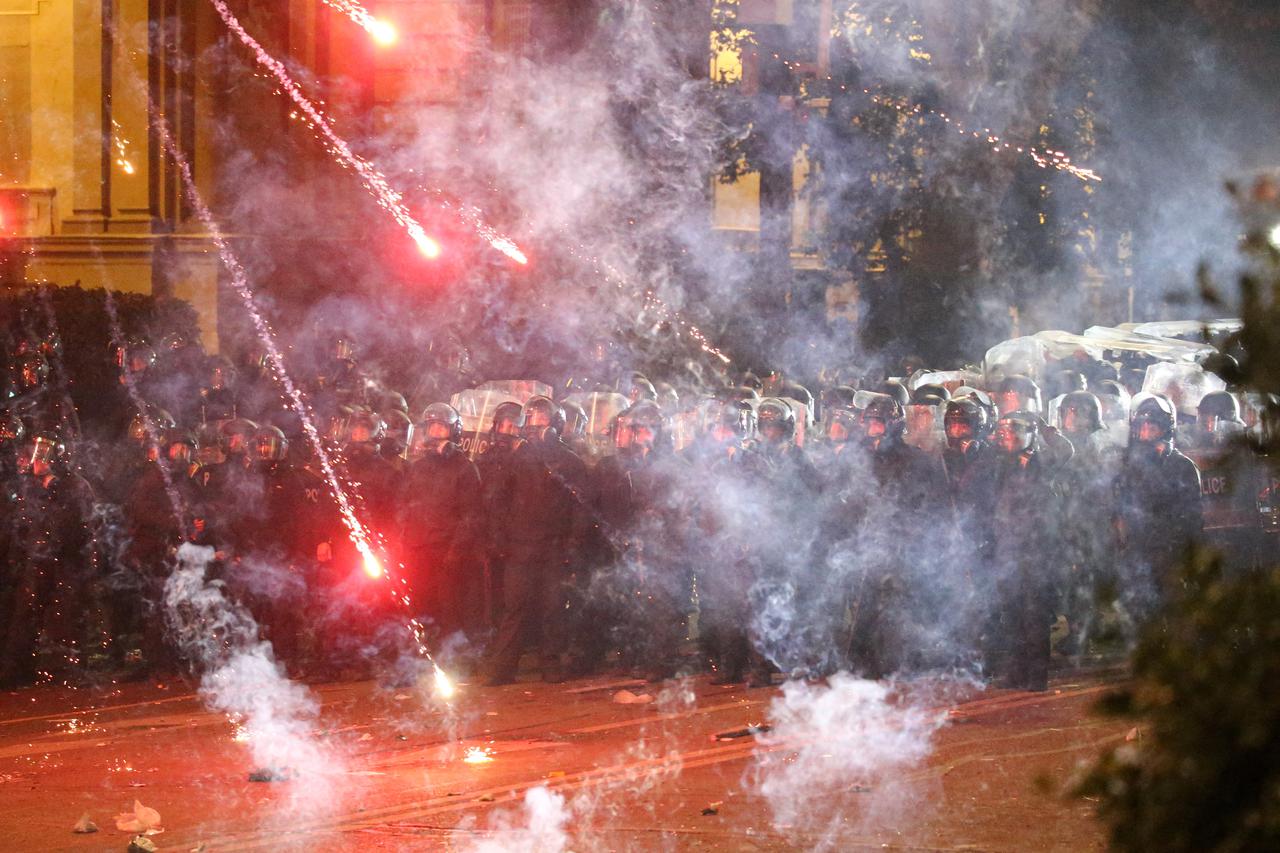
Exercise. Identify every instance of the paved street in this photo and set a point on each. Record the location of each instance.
(632, 776)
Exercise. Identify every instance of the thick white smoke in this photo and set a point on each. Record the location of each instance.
(241, 678)
(539, 826)
(836, 754)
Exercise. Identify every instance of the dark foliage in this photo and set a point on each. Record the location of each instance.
(1206, 774)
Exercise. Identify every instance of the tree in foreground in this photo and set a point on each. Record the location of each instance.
(1205, 774)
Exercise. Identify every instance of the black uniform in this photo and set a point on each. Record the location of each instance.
(1157, 516)
(897, 510)
(541, 523)
(493, 466)
(786, 577)
(649, 587)
(1088, 491)
(718, 529)
(1024, 582)
(49, 572)
(440, 510)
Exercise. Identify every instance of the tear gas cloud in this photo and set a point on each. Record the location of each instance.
(843, 750)
(241, 678)
(603, 156)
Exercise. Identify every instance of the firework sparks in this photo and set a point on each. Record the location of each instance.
(654, 302)
(1045, 158)
(444, 686)
(478, 755)
(487, 232)
(382, 31)
(359, 534)
(386, 197)
(122, 149)
(369, 561)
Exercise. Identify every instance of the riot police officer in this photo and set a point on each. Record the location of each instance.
(494, 465)
(1019, 393)
(1088, 505)
(439, 512)
(632, 494)
(1157, 504)
(541, 519)
(717, 484)
(1231, 478)
(899, 500)
(1018, 647)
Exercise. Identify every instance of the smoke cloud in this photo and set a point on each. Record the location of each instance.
(241, 678)
(838, 751)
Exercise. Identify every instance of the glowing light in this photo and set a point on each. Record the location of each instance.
(430, 248)
(472, 216)
(122, 148)
(373, 180)
(369, 560)
(1274, 235)
(478, 755)
(444, 686)
(383, 33)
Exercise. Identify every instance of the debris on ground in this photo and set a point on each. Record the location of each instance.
(141, 844)
(84, 826)
(626, 697)
(142, 819)
(713, 808)
(270, 774)
(751, 730)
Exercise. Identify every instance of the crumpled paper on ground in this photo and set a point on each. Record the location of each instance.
(142, 819)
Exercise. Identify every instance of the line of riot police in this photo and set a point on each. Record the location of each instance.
(734, 533)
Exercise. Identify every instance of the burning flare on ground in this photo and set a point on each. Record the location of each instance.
(443, 684)
(478, 755)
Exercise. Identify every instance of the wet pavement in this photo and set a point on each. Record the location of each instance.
(685, 770)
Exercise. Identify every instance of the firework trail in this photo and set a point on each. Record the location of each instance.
(373, 180)
(361, 537)
(383, 33)
(651, 300)
(1045, 159)
(386, 197)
